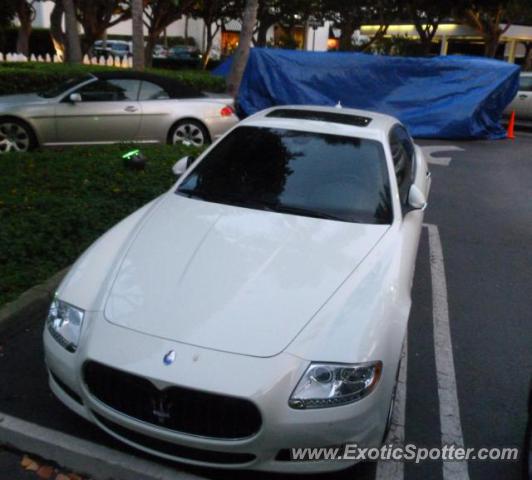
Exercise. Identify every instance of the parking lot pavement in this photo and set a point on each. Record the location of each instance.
(469, 358)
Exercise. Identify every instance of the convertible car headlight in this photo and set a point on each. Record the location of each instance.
(64, 323)
(328, 384)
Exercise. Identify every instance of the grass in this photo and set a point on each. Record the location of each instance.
(27, 77)
(55, 203)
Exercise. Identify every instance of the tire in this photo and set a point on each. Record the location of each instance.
(16, 136)
(189, 131)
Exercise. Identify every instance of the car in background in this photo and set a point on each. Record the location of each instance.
(260, 304)
(109, 107)
(183, 56)
(522, 103)
(112, 48)
(159, 51)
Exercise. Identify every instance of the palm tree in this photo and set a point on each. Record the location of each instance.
(137, 12)
(240, 58)
(73, 47)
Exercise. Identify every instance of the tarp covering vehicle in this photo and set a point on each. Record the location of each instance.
(439, 97)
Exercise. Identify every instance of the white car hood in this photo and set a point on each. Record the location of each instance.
(232, 279)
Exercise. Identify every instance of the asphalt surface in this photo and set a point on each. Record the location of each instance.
(482, 205)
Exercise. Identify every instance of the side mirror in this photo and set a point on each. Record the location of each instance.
(416, 198)
(181, 166)
(74, 97)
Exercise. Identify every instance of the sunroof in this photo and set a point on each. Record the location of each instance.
(332, 117)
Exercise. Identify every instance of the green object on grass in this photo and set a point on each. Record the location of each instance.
(130, 154)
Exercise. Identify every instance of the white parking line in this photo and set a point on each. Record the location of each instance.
(451, 428)
(429, 150)
(81, 455)
(395, 470)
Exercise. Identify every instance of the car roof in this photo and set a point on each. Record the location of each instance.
(336, 120)
(175, 88)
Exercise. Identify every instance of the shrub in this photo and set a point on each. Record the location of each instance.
(32, 76)
(40, 41)
(55, 203)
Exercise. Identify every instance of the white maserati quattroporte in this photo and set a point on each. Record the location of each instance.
(260, 304)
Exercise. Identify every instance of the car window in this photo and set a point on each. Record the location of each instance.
(302, 173)
(64, 86)
(114, 90)
(525, 84)
(403, 160)
(151, 91)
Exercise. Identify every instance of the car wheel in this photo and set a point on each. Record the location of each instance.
(189, 132)
(15, 136)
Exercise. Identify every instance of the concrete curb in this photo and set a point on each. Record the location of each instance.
(100, 463)
(32, 301)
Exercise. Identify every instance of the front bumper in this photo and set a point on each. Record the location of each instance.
(267, 382)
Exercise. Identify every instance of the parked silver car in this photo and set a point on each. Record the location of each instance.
(522, 103)
(113, 107)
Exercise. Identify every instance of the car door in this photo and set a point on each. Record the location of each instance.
(523, 102)
(408, 168)
(156, 106)
(109, 111)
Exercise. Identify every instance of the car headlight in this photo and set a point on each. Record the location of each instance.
(329, 385)
(64, 323)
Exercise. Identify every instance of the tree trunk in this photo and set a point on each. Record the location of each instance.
(491, 45)
(151, 41)
(25, 14)
(262, 35)
(348, 27)
(528, 57)
(208, 48)
(56, 29)
(137, 12)
(73, 48)
(240, 58)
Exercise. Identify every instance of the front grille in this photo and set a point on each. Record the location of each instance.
(180, 451)
(175, 408)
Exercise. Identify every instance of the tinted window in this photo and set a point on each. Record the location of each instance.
(63, 87)
(525, 84)
(403, 157)
(303, 173)
(110, 90)
(151, 91)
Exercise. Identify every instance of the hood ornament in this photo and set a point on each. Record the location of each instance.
(169, 358)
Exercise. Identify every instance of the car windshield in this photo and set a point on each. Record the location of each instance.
(63, 87)
(295, 172)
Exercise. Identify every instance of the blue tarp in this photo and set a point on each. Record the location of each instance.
(439, 97)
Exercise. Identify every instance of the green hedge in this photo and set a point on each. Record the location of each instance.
(55, 203)
(32, 76)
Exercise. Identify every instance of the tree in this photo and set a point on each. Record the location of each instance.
(213, 13)
(73, 47)
(26, 14)
(97, 16)
(240, 58)
(350, 15)
(426, 16)
(158, 14)
(56, 28)
(137, 10)
(490, 18)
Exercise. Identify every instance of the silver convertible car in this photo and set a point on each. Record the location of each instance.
(109, 107)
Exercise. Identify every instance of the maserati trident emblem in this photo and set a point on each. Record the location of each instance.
(161, 409)
(169, 358)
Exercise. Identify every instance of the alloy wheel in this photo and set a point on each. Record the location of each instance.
(13, 138)
(189, 133)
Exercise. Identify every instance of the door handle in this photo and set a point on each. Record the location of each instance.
(131, 108)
